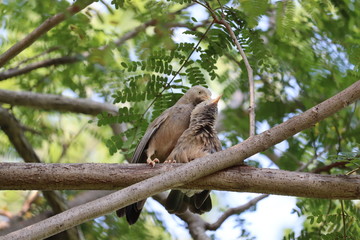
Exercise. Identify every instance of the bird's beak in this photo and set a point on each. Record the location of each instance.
(216, 100)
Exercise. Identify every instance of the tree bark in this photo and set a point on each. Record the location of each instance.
(98, 176)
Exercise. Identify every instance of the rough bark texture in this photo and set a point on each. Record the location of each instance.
(97, 176)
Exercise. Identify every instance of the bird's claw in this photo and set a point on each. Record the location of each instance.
(152, 162)
(170, 161)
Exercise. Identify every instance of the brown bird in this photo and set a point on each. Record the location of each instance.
(161, 136)
(199, 140)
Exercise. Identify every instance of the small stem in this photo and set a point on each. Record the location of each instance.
(247, 64)
(178, 71)
(343, 217)
(250, 76)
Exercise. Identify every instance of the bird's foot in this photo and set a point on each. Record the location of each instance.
(170, 161)
(152, 162)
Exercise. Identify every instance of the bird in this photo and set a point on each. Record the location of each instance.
(199, 140)
(161, 137)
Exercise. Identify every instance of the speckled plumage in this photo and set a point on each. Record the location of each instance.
(199, 140)
(161, 137)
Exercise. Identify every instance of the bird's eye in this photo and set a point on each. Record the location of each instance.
(199, 92)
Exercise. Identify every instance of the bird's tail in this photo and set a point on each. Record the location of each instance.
(178, 202)
(132, 212)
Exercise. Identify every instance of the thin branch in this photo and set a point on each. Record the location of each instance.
(6, 213)
(327, 168)
(36, 56)
(91, 176)
(55, 102)
(79, 57)
(45, 63)
(343, 218)
(67, 144)
(198, 226)
(41, 30)
(59, 103)
(179, 70)
(250, 76)
(191, 171)
(33, 195)
(237, 210)
(243, 55)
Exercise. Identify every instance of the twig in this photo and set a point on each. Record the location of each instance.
(243, 55)
(178, 71)
(42, 29)
(75, 58)
(236, 210)
(66, 145)
(327, 168)
(33, 195)
(34, 57)
(343, 218)
(250, 76)
(45, 63)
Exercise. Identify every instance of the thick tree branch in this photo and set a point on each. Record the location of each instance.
(42, 29)
(55, 102)
(190, 171)
(13, 130)
(97, 176)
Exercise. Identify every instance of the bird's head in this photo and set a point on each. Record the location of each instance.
(196, 95)
(205, 113)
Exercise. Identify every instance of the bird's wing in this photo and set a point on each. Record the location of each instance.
(216, 144)
(151, 130)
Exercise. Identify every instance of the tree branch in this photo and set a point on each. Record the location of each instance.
(191, 171)
(250, 75)
(12, 128)
(236, 210)
(45, 63)
(249, 70)
(72, 59)
(84, 197)
(100, 176)
(55, 102)
(42, 29)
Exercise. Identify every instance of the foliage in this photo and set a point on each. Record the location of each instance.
(142, 56)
